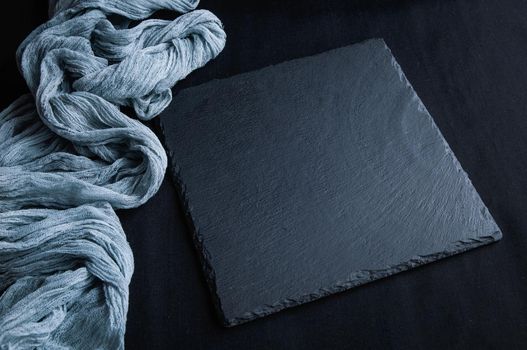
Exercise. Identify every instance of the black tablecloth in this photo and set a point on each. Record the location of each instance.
(467, 60)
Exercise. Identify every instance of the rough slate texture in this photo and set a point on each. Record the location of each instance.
(314, 176)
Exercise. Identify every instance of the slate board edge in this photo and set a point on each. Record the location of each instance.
(357, 278)
(197, 238)
(363, 277)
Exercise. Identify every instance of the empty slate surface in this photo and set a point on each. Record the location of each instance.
(316, 175)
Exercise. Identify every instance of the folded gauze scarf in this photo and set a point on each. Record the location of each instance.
(69, 157)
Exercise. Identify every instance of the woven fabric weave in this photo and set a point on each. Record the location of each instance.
(69, 156)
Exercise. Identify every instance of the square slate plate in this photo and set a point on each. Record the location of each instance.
(314, 176)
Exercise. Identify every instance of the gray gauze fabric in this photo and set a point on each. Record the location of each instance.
(316, 175)
(69, 157)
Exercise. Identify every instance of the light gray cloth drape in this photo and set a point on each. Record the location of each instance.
(69, 156)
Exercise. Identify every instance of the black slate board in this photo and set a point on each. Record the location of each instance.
(314, 176)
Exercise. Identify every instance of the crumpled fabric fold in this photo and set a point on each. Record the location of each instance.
(69, 156)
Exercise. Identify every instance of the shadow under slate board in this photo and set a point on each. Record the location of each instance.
(314, 176)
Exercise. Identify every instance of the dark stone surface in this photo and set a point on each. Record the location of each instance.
(316, 175)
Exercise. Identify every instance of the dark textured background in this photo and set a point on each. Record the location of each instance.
(467, 60)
